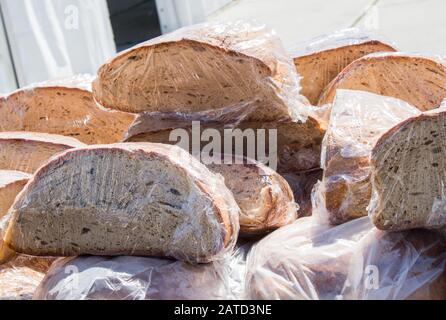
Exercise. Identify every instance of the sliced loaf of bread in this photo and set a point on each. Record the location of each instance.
(11, 183)
(64, 107)
(416, 79)
(409, 174)
(125, 199)
(265, 199)
(237, 70)
(27, 151)
(320, 60)
(357, 121)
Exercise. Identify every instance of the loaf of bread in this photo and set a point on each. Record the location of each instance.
(416, 79)
(321, 59)
(26, 151)
(125, 199)
(231, 70)
(409, 174)
(298, 144)
(65, 107)
(20, 277)
(139, 278)
(353, 261)
(357, 121)
(265, 198)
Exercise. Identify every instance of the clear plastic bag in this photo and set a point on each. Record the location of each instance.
(20, 277)
(357, 121)
(125, 199)
(66, 107)
(136, 278)
(353, 261)
(409, 174)
(225, 71)
(320, 60)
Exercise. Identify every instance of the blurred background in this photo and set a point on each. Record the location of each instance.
(50, 39)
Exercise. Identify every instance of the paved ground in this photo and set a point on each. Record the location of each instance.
(414, 25)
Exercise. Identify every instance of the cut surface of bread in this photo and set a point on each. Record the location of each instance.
(358, 119)
(237, 68)
(320, 65)
(11, 183)
(298, 144)
(125, 199)
(353, 261)
(265, 199)
(27, 151)
(139, 278)
(416, 79)
(20, 277)
(409, 174)
(64, 109)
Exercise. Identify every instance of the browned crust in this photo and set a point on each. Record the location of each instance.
(324, 99)
(342, 47)
(40, 138)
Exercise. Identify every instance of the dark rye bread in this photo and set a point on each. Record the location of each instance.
(27, 151)
(65, 107)
(125, 199)
(20, 277)
(322, 62)
(409, 174)
(298, 143)
(357, 121)
(416, 79)
(235, 70)
(140, 278)
(265, 199)
(310, 261)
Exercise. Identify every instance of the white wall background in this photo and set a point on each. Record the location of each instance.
(7, 77)
(52, 39)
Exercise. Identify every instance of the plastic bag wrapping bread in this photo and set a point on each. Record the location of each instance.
(125, 199)
(357, 121)
(417, 79)
(27, 151)
(354, 261)
(265, 198)
(64, 107)
(321, 59)
(409, 174)
(20, 277)
(225, 71)
(138, 278)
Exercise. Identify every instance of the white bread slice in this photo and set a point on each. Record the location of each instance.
(320, 60)
(140, 278)
(409, 174)
(20, 277)
(125, 199)
(65, 107)
(416, 79)
(353, 261)
(237, 70)
(27, 151)
(265, 199)
(358, 119)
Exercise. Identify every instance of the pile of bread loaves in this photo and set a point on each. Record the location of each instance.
(97, 201)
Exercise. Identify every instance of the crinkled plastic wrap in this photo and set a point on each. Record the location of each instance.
(20, 277)
(125, 199)
(358, 119)
(138, 278)
(226, 71)
(66, 107)
(265, 198)
(408, 165)
(418, 79)
(353, 261)
(321, 59)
